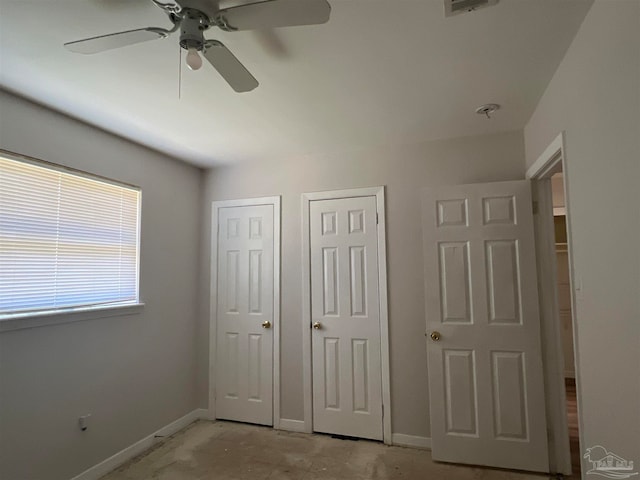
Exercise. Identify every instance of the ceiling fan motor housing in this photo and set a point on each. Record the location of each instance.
(192, 26)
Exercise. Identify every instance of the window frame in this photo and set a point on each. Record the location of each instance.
(48, 316)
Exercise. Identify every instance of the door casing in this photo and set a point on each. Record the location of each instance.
(215, 206)
(377, 192)
(540, 172)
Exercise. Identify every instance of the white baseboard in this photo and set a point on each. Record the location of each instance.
(140, 446)
(292, 425)
(411, 441)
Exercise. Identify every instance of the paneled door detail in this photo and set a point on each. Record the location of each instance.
(483, 328)
(346, 358)
(244, 339)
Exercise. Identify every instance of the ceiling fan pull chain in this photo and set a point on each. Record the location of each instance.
(179, 73)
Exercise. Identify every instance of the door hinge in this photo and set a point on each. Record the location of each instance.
(534, 207)
(376, 218)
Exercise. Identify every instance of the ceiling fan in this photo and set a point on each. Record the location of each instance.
(194, 17)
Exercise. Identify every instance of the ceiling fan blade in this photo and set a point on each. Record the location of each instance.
(115, 40)
(274, 13)
(229, 67)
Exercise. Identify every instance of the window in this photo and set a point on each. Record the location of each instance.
(67, 239)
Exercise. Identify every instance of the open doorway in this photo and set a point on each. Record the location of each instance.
(552, 223)
(565, 315)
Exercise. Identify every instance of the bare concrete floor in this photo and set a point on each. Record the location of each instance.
(230, 451)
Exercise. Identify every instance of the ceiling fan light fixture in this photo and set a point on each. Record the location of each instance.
(194, 60)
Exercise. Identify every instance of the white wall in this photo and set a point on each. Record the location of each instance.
(134, 374)
(404, 170)
(595, 98)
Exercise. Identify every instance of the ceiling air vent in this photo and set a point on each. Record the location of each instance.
(454, 7)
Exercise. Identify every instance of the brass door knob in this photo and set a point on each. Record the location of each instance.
(317, 325)
(266, 324)
(435, 336)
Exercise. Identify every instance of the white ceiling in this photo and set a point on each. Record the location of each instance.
(380, 72)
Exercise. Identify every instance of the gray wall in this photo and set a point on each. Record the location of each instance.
(135, 373)
(595, 98)
(404, 170)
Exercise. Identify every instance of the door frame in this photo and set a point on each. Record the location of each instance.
(377, 192)
(213, 292)
(553, 159)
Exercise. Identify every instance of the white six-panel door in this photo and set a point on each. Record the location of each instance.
(244, 338)
(485, 369)
(346, 358)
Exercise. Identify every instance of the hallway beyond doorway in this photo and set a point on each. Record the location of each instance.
(572, 420)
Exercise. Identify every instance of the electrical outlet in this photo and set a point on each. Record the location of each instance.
(83, 422)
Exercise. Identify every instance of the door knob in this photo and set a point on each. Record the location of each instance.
(317, 325)
(435, 336)
(266, 324)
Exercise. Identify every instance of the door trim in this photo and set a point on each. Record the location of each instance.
(215, 207)
(540, 173)
(377, 192)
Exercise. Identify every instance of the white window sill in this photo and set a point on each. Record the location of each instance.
(19, 321)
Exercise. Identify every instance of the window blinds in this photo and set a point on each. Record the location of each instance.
(66, 240)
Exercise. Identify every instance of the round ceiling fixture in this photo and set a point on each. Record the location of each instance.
(487, 109)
